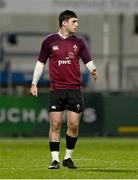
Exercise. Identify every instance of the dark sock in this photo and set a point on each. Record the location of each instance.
(70, 141)
(54, 146)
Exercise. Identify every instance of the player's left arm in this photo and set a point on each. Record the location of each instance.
(86, 58)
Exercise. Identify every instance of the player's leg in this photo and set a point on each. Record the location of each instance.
(74, 107)
(73, 121)
(54, 138)
(56, 108)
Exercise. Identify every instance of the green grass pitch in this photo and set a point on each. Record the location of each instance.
(96, 158)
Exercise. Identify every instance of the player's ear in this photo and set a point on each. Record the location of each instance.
(64, 23)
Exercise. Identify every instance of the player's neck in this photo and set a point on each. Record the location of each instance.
(64, 34)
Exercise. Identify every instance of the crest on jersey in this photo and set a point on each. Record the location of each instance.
(75, 47)
(55, 48)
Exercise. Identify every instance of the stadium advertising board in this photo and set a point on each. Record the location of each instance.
(121, 115)
(109, 115)
(29, 116)
(17, 115)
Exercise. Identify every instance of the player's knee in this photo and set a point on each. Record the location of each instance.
(73, 127)
(56, 126)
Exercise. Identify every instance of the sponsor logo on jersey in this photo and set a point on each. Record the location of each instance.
(60, 62)
(55, 48)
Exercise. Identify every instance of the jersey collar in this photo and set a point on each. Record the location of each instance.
(63, 36)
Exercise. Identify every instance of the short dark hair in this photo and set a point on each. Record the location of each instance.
(66, 15)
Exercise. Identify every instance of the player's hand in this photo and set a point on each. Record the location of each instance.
(34, 90)
(94, 74)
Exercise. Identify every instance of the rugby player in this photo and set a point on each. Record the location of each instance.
(64, 51)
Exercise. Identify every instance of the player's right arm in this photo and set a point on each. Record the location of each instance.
(36, 76)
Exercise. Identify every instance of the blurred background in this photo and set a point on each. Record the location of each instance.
(110, 28)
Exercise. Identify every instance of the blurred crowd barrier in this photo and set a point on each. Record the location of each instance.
(117, 71)
(110, 29)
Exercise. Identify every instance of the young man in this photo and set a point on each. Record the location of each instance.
(64, 51)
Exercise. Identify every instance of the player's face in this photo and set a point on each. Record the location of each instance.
(71, 25)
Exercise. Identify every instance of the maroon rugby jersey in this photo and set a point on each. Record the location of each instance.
(64, 56)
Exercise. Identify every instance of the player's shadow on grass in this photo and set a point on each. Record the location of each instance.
(104, 170)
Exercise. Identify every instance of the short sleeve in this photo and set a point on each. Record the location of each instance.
(84, 52)
(44, 51)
